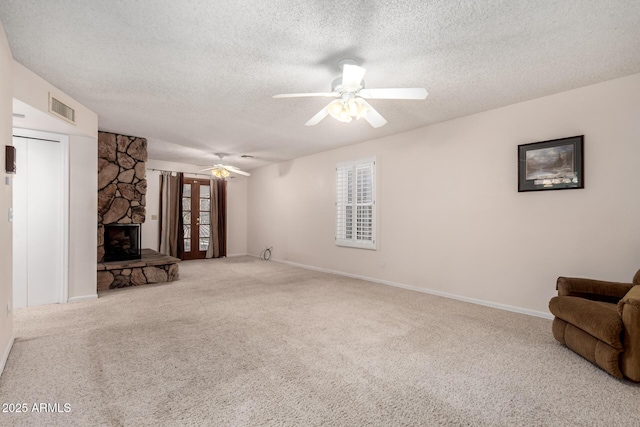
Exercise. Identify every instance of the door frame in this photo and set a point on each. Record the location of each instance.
(63, 140)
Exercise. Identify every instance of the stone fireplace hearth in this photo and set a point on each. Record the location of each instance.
(152, 267)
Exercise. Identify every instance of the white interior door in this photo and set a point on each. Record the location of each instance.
(38, 214)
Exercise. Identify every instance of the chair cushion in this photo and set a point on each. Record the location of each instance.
(592, 349)
(598, 319)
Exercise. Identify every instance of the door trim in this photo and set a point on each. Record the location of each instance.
(63, 140)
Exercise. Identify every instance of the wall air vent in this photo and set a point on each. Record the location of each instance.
(62, 110)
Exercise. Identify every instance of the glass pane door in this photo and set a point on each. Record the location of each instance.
(196, 205)
(203, 217)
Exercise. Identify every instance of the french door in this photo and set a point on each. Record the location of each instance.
(196, 217)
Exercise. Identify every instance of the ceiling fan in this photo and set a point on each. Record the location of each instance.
(352, 94)
(222, 171)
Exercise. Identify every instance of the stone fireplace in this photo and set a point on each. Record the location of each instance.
(122, 183)
(122, 189)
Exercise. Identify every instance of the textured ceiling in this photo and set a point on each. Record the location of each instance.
(197, 77)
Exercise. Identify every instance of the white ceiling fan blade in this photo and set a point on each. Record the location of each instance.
(352, 76)
(229, 167)
(399, 93)
(236, 170)
(216, 166)
(239, 172)
(318, 117)
(373, 117)
(300, 95)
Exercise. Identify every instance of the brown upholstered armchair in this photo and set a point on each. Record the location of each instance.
(601, 322)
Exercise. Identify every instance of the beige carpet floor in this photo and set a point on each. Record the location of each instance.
(245, 342)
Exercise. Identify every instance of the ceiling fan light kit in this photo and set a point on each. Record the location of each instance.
(220, 173)
(350, 89)
(344, 110)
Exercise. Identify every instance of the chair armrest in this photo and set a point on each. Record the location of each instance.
(598, 290)
(629, 310)
(632, 298)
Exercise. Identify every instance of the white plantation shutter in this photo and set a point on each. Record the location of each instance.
(355, 203)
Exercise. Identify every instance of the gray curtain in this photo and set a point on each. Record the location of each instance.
(171, 233)
(218, 228)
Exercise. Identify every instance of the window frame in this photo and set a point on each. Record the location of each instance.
(344, 222)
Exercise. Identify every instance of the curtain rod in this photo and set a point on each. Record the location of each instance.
(190, 173)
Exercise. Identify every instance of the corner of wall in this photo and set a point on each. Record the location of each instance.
(6, 195)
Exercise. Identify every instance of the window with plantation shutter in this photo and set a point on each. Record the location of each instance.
(356, 203)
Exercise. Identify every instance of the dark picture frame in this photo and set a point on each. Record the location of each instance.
(10, 159)
(557, 164)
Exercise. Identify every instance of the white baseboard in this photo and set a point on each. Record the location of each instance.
(83, 298)
(485, 303)
(5, 356)
(236, 255)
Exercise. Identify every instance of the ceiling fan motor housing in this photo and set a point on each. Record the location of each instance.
(336, 86)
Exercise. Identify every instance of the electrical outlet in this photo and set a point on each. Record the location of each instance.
(381, 264)
(154, 217)
(8, 309)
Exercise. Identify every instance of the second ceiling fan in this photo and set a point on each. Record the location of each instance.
(352, 97)
(222, 171)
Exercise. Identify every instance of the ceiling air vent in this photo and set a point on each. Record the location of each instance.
(62, 110)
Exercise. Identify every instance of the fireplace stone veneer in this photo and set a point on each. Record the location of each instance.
(122, 183)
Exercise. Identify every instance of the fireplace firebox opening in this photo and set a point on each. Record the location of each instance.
(122, 242)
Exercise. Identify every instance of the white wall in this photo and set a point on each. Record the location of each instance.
(6, 257)
(33, 90)
(236, 206)
(450, 219)
(237, 215)
(83, 201)
(30, 93)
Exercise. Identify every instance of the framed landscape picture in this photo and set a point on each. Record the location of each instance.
(557, 164)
